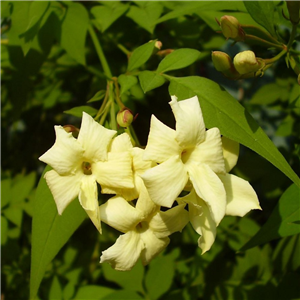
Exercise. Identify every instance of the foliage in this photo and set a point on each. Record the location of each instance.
(60, 58)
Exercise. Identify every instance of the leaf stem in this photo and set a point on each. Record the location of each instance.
(99, 51)
(255, 38)
(292, 36)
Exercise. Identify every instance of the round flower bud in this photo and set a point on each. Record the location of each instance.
(245, 62)
(125, 117)
(231, 28)
(221, 61)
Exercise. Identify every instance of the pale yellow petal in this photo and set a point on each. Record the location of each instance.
(209, 152)
(231, 151)
(161, 143)
(88, 198)
(139, 164)
(190, 128)
(210, 188)
(124, 254)
(63, 188)
(144, 204)
(121, 143)
(65, 156)
(167, 222)
(241, 197)
(153, 246)
(94, 138)
(166, 181)
(116, 172)
(119, 214)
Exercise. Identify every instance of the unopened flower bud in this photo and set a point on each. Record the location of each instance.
(158, 45)
(70, 128)
(245, 62)
(294, 11)
(231, 28)
(223, 63)
(125, 117)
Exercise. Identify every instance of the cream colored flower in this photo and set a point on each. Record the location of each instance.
(145, 227)
(78, 164)
(188, 155)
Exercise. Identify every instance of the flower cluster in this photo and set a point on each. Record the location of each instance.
(142, 181)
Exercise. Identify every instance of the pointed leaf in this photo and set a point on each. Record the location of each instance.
(221, 110)
(150, 80)
(284, 220)
(126, 82)
(178, 59)
(77, 111)
(73, 31)
(140, 55)
(50, 231)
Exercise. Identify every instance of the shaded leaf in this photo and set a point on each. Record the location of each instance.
(36, 11)
(178, 59)
(126, 82)
(98, 96)
(4, 228)
(94, 292)
(50, 231)
(124, 295)
(150, 80)
(73, 31)
(55, 289)
(281, 222)
(77, 111)
(221, 110)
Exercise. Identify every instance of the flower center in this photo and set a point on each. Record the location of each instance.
(86, 168)
(142, 226)
(185, 154)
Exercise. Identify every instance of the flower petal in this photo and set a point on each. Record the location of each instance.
(124, 254)
(161, 143)
(65, 156)
(209, 152)
(190, 127)
(139, 164)
(210, 188)
(241, 197)
(167, 222)
(201, 220)
(119, 214)
(116, 172)
(153, 246)
(63, 188)
(88, 198)
(144, 204)
(121, 143)
(166, 181)
(231, 151)
(94, 138)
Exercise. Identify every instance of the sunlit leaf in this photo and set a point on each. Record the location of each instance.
(98, 96)
(150, 80)
(50, 231)
(178, 59)
(283, 220)
(221, 110)
(126, 82)
(140, 55)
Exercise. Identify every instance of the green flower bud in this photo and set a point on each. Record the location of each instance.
(294, 11)
(70, 128)
(223, 63)
(125, 117)
(245, 62)
(231, 28)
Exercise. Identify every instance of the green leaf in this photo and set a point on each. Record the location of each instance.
(282, 221)
(14, 214)
(126, 82)
(150, 80)
(221, 110)
(77, 111)
(160, 276)
(73, 31)
(50, 231)
(263, 13)
(146, 16)
(140, 55)
(55, 289)
(107, 15)
(98, 96)
(268, 94)
(36, 11)
(130, 280)
(4, 228)
(94, 292)
(178, 59)
(124, 295)
(5, 191)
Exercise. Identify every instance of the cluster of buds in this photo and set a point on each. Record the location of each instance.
(244, 65)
